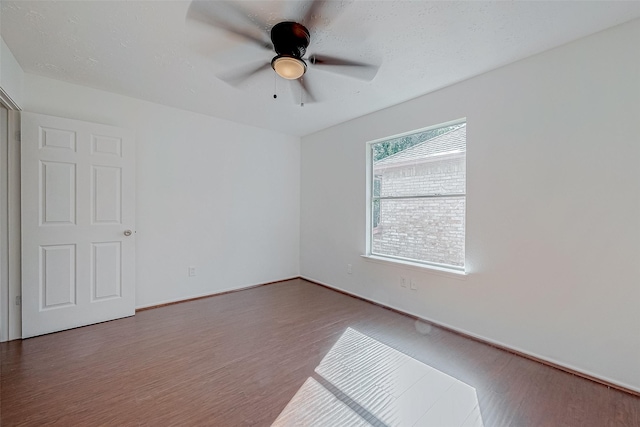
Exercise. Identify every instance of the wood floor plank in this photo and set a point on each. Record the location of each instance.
(239, 359)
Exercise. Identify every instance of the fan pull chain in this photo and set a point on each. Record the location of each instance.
(301, 94)
(275, 86)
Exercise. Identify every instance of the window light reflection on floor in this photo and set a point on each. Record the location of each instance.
(363, 382)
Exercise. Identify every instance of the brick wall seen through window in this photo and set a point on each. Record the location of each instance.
(419, 196)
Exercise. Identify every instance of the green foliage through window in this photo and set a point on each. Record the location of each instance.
(393, 146)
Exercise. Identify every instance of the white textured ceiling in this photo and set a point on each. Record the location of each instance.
(145, 49)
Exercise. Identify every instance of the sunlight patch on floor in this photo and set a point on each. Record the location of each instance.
(314, 405)
(364, 382)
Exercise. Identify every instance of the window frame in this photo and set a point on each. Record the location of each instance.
(370, 198)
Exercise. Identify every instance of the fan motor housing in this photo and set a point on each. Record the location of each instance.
(290, 39)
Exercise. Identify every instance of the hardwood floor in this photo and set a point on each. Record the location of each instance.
(290, 353)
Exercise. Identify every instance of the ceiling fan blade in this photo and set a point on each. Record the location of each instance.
(332, 60)
(308, 98)
(359, 70)
(212, 13)
(237, 77)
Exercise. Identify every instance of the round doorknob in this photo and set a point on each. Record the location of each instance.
(127, 233)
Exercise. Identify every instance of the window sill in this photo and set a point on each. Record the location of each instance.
(447, 272)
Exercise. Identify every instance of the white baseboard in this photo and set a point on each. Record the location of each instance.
(208, 294)
(525, 353)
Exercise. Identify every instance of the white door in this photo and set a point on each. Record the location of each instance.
(78, 229)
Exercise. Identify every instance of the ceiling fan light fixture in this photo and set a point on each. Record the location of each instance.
(289, 67)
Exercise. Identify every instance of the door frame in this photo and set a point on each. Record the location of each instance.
(4, 224)
(10, 237)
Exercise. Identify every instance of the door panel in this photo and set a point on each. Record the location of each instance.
(106, 271)
(58, 188)
(106, 195)
(57, 276)
(78, 267)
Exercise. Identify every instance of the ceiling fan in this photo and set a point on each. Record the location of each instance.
(288, 40)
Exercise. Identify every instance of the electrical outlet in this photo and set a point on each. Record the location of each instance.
(414, 286)
(403, 282)
(349, 270)
(192, 271)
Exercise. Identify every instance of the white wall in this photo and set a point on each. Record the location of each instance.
(213, 194)
(11, 77)
(553, 207)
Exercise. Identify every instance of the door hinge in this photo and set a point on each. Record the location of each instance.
(18, 136)
(19, 300)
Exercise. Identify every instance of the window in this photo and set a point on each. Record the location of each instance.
(418, 196)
